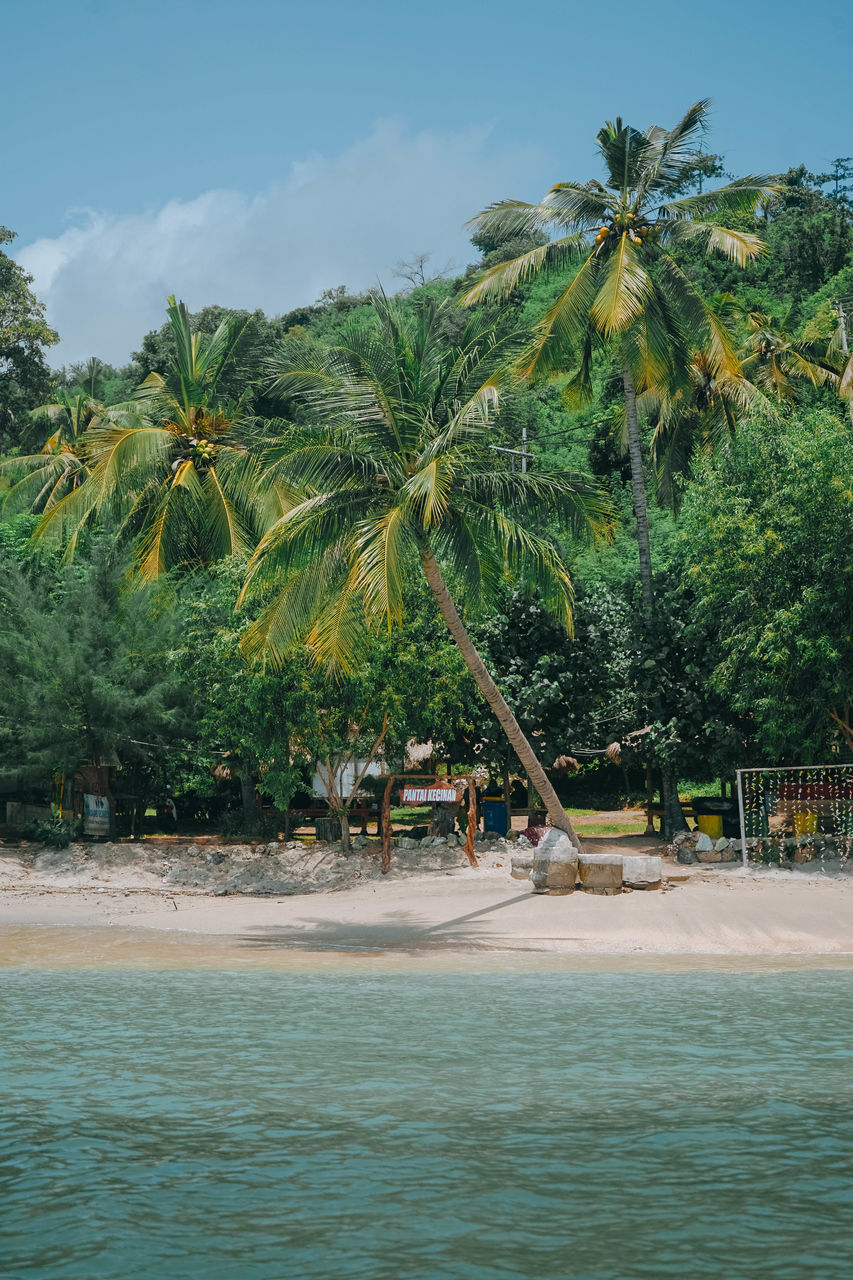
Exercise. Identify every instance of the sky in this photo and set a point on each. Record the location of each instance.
(253, 154)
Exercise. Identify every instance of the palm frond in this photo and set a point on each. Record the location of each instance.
(671, 150)
(738, 197)
(383, 550)
(739, 246)
(499, 281)
(564, 327)
(624, 290)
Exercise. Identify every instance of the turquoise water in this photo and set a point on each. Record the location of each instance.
(227, 1126)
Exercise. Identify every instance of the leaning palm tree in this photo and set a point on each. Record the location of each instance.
(174, 474)
(394, 476)
(627, 292)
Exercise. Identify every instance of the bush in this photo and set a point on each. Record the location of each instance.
(56, 831)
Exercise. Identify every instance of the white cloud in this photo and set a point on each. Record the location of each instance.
(344, 220)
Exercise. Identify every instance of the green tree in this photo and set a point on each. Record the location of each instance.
(766, 554)
(174, 474)
(629, 292)
(395, 476)
(24, 334)
(85, 671)
(41, 480)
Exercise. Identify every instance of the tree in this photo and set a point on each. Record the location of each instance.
(766, 557)
(24, 333)
(775, 362)
(41, 480)
(86, 673)
(629, 292)
(395, 476)
(174, 473)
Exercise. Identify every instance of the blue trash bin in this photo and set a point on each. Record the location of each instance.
(494, 815)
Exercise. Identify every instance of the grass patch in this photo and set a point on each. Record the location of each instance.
(612, 829)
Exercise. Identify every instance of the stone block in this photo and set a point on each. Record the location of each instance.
(600, 872)
(555, 864)
(704, 843)
(522, 864)
(710, 855)
(641, 872)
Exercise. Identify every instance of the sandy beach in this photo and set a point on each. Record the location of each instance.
(125, 911)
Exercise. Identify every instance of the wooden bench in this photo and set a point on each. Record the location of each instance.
(656, 811)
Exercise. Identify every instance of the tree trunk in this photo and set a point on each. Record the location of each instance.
(495, 699)
(673, 818)
(638, 490)
(247, 794)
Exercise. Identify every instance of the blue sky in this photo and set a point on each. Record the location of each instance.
(255, 153)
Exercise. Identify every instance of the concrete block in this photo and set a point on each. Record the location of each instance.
(641, 872)
(600, 872)
(522, 864)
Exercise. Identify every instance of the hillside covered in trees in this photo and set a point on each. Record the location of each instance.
(617, 447)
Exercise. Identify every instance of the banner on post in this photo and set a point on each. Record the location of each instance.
(96, 815)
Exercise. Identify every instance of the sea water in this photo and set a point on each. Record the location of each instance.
(253, 1126)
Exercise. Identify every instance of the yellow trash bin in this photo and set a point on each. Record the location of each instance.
(805, 823)
(711, 824)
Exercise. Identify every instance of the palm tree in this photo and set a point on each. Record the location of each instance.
(774, 362)
(41, 480)
(394, 476)
(628, 291)
(701, 416)
(174, 472)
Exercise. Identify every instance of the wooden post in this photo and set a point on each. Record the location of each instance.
(472, 823)
(650, 799)
(507, 794)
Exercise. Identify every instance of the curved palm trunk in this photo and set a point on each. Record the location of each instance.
(673, 817)
(495, 699)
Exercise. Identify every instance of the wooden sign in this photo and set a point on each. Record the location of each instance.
(432, 794)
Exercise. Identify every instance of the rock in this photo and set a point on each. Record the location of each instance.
(522, 864)
(555, 863)
(641, 871)
(683, 837)
(600, 872)
(492, 835)
(722, 844)
(736, 847)
(709, 855)
(406, 842)
(687, 856)
(359, 842)
(512, 836)
(703, 843)
(523, 842)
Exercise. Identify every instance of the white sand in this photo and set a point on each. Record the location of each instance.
(701, 911)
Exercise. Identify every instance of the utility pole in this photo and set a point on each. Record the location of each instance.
(842, 325)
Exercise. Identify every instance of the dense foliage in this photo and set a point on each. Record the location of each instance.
(233, 436)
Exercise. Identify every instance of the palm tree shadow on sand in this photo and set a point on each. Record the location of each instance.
(398, 931)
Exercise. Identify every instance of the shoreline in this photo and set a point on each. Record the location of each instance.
(438, 919)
